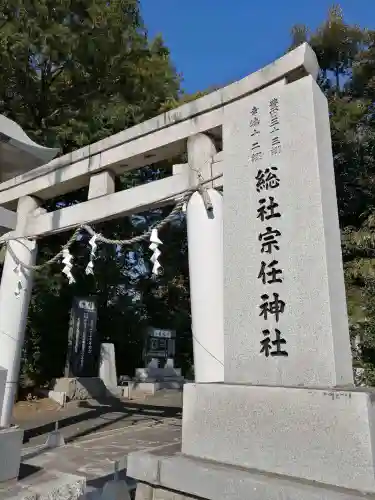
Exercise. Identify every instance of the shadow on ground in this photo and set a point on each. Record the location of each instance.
(101, 411)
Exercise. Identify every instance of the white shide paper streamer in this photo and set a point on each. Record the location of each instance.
(68, 265)
(154, 247)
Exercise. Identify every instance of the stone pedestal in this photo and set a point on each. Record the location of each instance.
(179, 477)
(11, 440)
(242, 441)
(323, 435)
(152, 379)
(160, 374)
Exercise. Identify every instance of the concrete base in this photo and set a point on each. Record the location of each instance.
(178, 477)
(142, 389)
(10, 452)
(319, 435)
(157, 373)
(141, 386)
(150, 387)
(81, 388)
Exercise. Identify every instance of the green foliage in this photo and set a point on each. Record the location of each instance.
(346, 55)
(74, 72)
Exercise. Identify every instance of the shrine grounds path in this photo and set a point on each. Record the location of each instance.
(100, 433)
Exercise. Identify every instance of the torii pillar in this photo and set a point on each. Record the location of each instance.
(15, 294)
(205, 246)
(18, 154)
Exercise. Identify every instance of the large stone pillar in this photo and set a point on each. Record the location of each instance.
(205, 243)
(14, 303)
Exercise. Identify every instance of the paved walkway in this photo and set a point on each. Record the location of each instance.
(98, 435)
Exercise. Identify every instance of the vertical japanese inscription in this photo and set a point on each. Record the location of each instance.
(267, 182)
(274, 122)
(256, 147)
(84, 335)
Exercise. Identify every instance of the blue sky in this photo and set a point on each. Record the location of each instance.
(214, 42)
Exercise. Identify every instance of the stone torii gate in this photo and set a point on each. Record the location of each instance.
(279, 416)
(27, 180)
(97, 166)
(198, 128)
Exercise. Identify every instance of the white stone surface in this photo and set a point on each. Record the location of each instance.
(143, 466)
(13, 307)
(59, 396)
(8, 219)
(152, 386)
(315, 434)
(129, 201)
(181, 477)
(10, 452)
(314, 322)
(216, 169)
(124, 391)
(101, 184)
(3, 377)
(107, 365)
(205, 242)
(157, 373)
(169, 364)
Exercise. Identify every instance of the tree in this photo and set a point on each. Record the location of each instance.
(346, 57)
(336, 45)
(74, 72)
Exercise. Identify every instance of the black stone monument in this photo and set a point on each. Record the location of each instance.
(83, 344)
